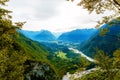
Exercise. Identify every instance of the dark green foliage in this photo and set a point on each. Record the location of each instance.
(70, 64)
(62, 65)
(11, 59)
(32, 48)
(37, 55)
(116, 59)
(109, 67)
(97, 75)
(16, 49)
(109, 42)
(108, 57)
(16, 52)
(68, 61)
(101, 75)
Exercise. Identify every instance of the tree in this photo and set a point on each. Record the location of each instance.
(117, 59)
(12, 56)
(105, 63)
(100, 6)
(84, 63)
(110, 67)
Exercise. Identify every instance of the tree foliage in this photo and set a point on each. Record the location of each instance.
(117, 59)
(109, 67)
(16, 50)
(12, 57)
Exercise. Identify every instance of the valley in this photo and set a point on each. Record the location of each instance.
(63, 54)
(73, 51)
(58, 40)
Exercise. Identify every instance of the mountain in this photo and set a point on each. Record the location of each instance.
(37, 65)
(108, 42)
(40, 36)
(32, 48)
(57, 34)
(77, 36)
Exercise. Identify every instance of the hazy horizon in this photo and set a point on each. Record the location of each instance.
(55, 15)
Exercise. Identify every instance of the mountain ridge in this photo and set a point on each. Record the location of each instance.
(40, 36)
(108, 42)
(77, 36)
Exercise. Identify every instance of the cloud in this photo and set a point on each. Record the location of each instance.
(53, 15)
(35, 9)
(47, 8)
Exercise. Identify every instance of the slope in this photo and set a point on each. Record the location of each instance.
(37, 61)
(32, 48)
(108, 42)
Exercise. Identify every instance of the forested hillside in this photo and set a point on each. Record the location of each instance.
(20, 57)
(37, 55)
(104, 47)
(107, 39)
(23, 55)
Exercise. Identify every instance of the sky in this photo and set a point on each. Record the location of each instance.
(52, 15)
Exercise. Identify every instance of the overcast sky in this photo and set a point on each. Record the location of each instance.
(53, 15)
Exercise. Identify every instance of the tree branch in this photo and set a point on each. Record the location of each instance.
(116, 3)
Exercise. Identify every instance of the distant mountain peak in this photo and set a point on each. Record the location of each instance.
(41, 36)
(77, 36)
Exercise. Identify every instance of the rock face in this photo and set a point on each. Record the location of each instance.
(39, 71)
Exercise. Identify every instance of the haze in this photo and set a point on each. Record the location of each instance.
(52, 15)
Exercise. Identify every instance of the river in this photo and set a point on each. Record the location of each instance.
(79, 74)
(82, 54)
